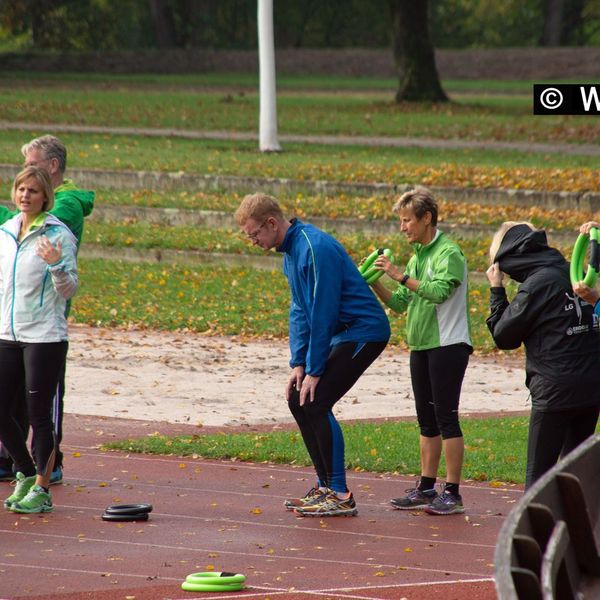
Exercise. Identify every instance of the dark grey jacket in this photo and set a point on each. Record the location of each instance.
(559, 331)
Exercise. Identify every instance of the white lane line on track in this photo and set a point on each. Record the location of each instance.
(272, 468)
(117, 574)
(400, 585)
(207, 490)
(296, 527)
(270, 557)
(349, 592)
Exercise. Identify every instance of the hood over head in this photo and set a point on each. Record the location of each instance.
(524, 251)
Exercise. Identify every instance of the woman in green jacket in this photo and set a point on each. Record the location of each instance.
(433, 291)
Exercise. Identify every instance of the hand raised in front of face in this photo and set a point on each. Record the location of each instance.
(495, 275)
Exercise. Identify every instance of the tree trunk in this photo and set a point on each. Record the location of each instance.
(164, 27)
(572, 33)
(553, 17)
(39, 9)
(413, 53)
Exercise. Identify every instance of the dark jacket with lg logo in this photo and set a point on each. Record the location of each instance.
(559, 330)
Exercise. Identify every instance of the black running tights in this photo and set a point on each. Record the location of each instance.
(38, 366)
(553, 435)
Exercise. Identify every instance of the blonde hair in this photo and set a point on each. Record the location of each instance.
(420, 200)
(258, 206)
(502, 231)
(43, 179)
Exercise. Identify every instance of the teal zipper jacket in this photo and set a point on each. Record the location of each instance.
(438, 312)
(33, 294)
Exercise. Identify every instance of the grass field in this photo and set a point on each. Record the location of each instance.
(207, 299)
(302, 107)
(429, 166)
(254, 303)
(495, 448)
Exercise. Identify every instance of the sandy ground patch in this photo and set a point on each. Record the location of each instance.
(216, 381)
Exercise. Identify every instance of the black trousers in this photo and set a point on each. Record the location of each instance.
(320, 430)
(436, 376)
(19, 412)
(37, 366)
(553, 435)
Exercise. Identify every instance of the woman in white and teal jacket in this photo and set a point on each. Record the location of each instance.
(38, 274)
(433, 291)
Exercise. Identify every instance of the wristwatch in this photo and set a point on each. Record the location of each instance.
(404, 279)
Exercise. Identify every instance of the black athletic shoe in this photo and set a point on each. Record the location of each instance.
(415, 499)
(446, 503)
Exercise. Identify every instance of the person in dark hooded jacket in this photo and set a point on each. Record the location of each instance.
(561, 338)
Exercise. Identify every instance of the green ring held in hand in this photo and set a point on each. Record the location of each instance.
(577, 270)
(213, 582)
(369, 272)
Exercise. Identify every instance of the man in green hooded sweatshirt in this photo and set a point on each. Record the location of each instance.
(71, 206)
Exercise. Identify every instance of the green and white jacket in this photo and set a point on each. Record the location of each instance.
(438, 312)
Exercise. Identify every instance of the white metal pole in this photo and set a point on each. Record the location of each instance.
(268, 141)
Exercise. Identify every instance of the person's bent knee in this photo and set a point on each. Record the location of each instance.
(294, 403)
(315, 409)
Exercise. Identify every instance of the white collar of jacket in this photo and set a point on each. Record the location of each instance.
(13, 226)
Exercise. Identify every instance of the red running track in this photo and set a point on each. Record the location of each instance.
(229, 516)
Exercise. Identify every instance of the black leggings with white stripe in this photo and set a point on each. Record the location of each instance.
(38, 366)
(320, 430)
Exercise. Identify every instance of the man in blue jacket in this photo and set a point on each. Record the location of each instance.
(337, 328)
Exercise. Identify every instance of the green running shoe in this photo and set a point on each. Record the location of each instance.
(24, 484)
(36, 501)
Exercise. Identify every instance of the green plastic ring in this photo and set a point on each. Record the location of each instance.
(207, 587)
(577, 271)
(214, 581)
(216, 578)
(368, 261)
(369, 272)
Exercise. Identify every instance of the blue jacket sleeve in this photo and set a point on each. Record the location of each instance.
(299, 336)
(325, 285)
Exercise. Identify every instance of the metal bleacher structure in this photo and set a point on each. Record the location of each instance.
(549, 545)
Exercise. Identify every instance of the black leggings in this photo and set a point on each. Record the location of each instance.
(320, 430)
(553, 435)
(437, 377)
(19, 412)
(38, 366)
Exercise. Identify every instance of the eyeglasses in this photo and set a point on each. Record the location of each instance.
(254, 235)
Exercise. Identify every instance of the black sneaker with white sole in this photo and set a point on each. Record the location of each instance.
(415, 499)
